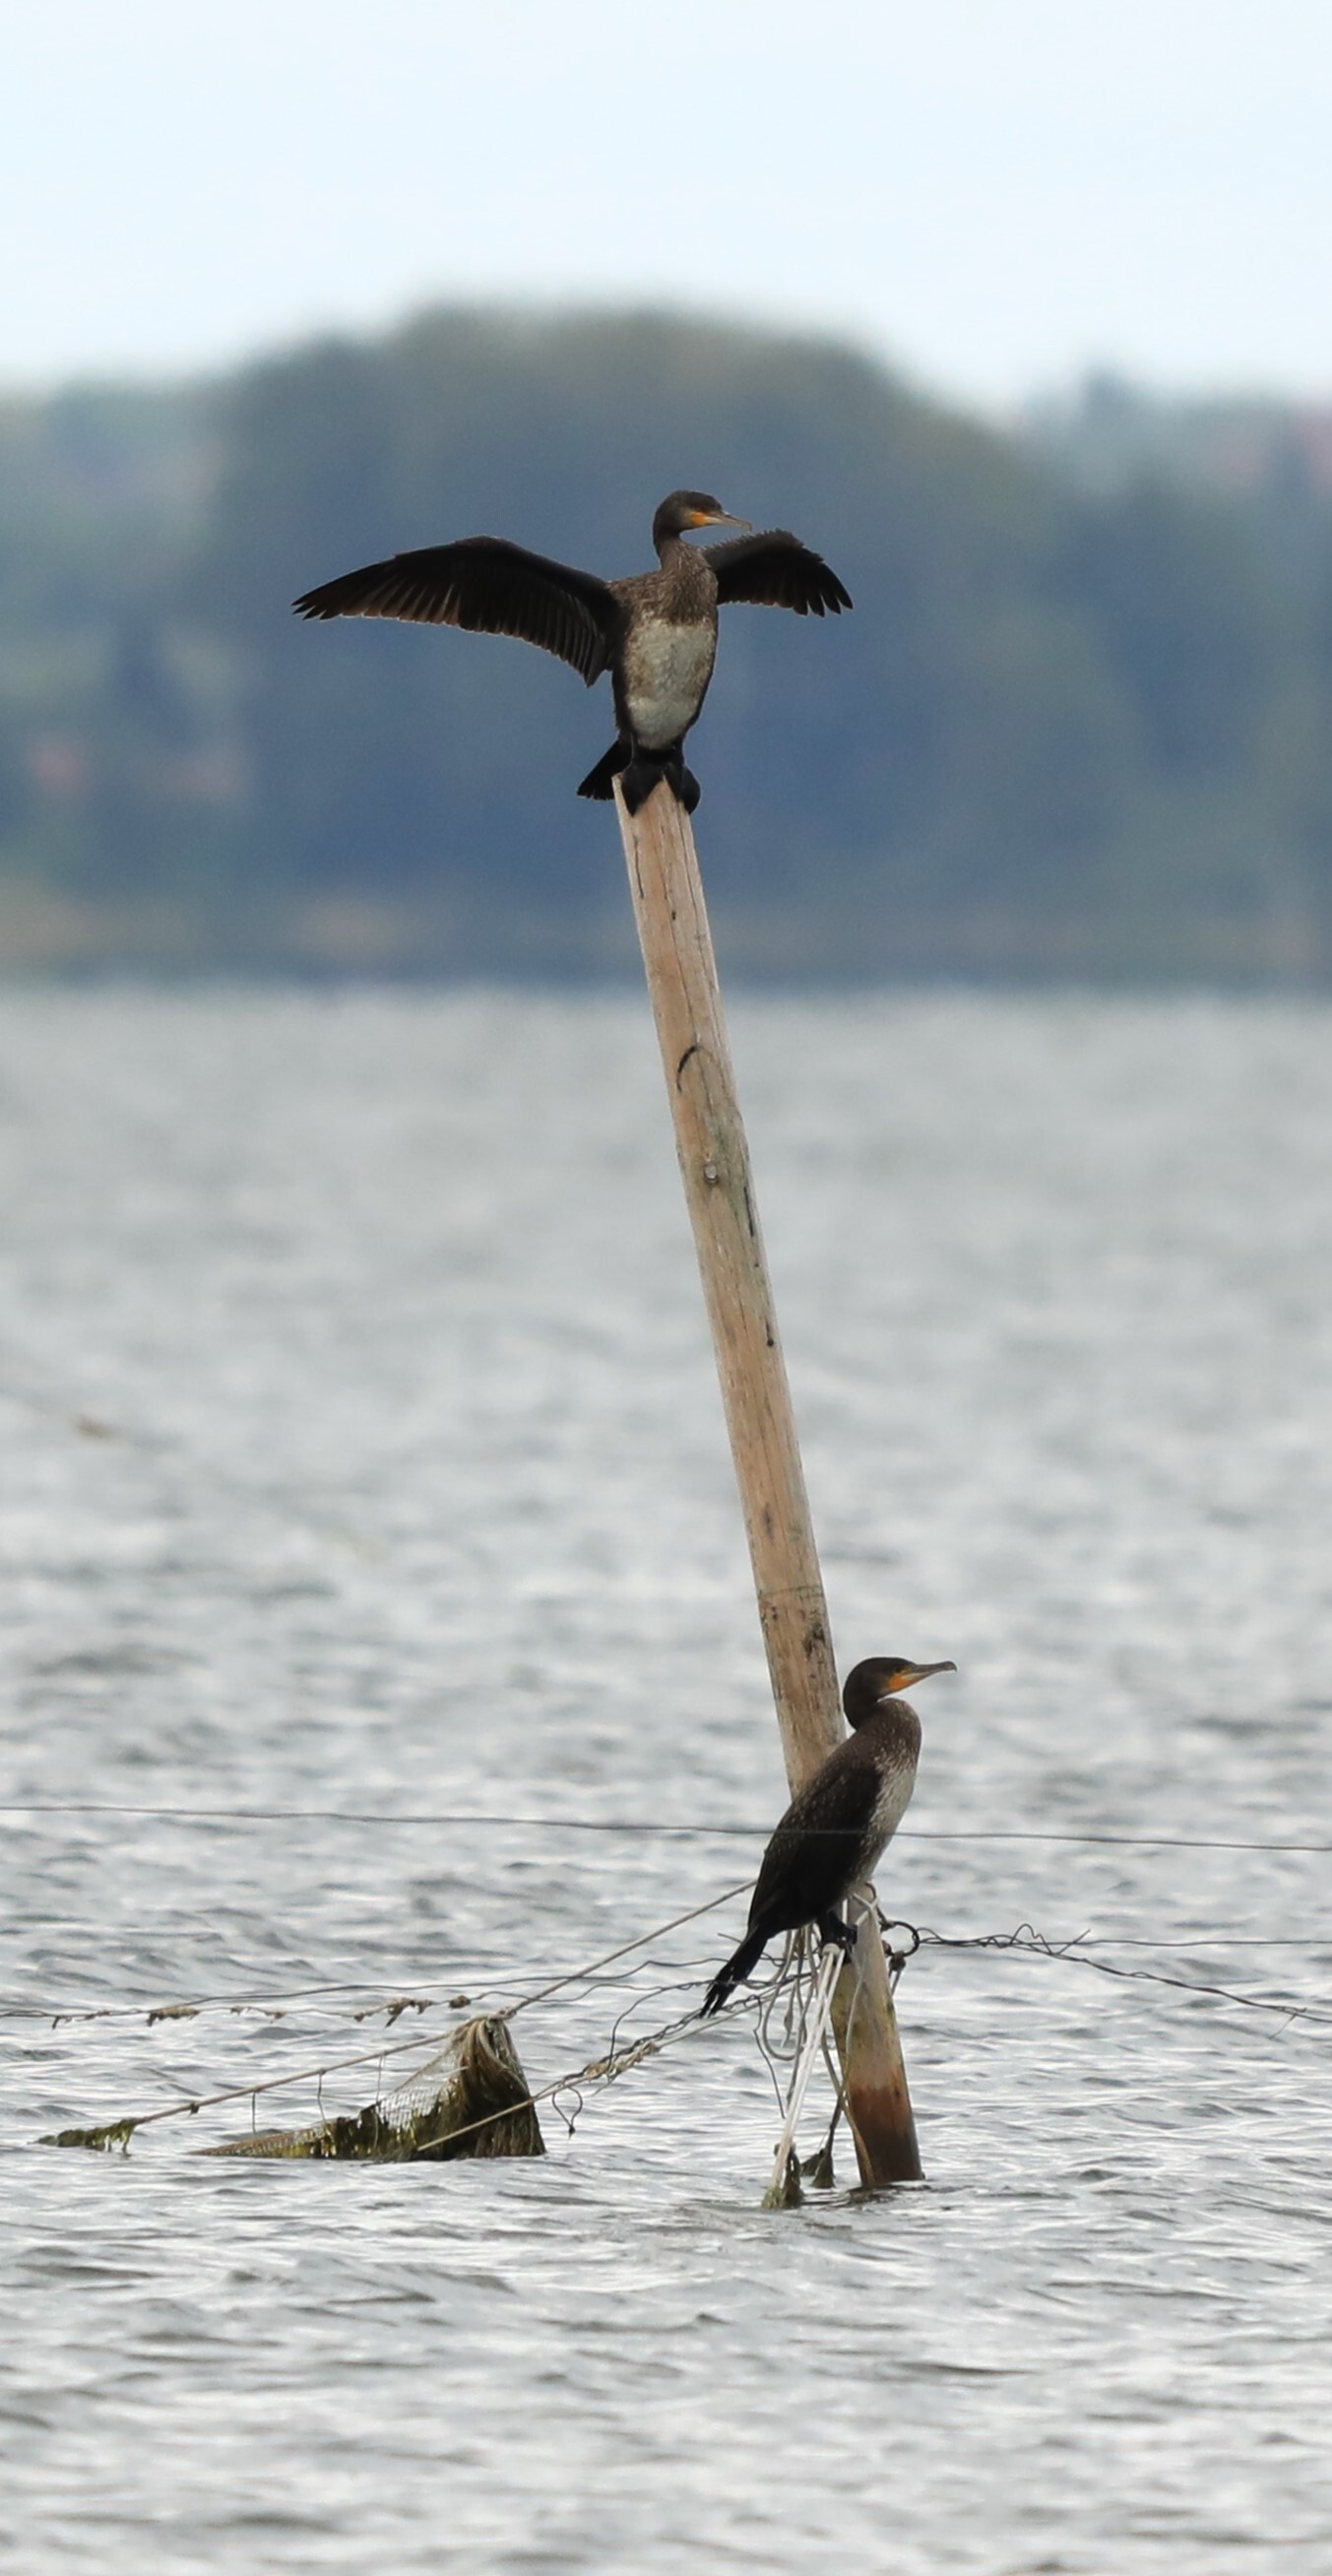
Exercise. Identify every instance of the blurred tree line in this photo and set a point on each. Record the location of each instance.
(1073, 727)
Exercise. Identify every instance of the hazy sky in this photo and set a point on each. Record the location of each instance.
(994, 192)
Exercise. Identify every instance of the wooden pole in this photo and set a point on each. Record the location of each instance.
(714, 1164)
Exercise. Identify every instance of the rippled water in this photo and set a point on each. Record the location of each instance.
(362, 1455)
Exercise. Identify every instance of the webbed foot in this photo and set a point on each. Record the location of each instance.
(832, 1928)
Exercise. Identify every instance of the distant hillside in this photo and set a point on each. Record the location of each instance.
(1078, 723)
(1270, 460)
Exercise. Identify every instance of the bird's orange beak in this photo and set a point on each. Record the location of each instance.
(717, 519)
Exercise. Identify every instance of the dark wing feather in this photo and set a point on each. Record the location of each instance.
(491, 588)
(811, 1860)
(774, 570)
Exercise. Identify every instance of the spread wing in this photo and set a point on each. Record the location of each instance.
(774, 570)
(491, 588)
(810, 1861)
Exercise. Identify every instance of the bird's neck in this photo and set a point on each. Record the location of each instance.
(892, 1732)
(674, 553)
(687, 578)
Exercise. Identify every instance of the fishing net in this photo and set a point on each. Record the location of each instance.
(470, 2099)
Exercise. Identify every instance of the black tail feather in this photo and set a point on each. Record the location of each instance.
(831, 1927)
(736, 1969)
(600, 782)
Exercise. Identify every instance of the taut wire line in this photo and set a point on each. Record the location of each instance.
(625, 1825)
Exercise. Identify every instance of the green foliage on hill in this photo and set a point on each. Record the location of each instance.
(1066, 730)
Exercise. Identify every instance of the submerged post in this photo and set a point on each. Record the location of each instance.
(714, 1164)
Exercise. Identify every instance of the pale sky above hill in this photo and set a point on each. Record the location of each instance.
(993, 193)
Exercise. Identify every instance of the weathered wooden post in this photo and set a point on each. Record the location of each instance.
(714, 1163)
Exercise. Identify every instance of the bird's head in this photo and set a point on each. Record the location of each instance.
(879, 1678)
(681, 510)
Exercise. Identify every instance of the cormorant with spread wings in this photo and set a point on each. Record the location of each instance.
(655, 632)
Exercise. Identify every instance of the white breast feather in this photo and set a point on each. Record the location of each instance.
(672, 666)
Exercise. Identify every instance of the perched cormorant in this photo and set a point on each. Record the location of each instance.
(836, 1826)
(656, 632)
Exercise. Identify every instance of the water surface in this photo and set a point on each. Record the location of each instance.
(363, 1458)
